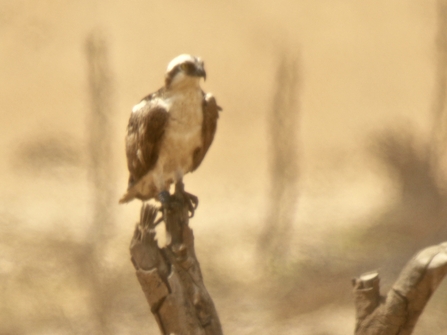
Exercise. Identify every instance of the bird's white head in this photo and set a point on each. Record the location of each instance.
(184, 70)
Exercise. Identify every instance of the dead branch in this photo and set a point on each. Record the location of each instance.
(398, 311)
(170, 277)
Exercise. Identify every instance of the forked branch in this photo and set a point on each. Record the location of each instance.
(398, 311)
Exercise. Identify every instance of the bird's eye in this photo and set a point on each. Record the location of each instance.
(184, 67)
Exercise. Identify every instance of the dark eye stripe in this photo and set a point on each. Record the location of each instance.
(187, 67)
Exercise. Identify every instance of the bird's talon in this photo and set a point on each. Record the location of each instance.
(192, 201)
(167, 200)
(156, 223)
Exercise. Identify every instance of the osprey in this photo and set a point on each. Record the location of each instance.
(169, 133)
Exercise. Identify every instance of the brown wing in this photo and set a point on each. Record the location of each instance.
(210, 115)
(144, 136)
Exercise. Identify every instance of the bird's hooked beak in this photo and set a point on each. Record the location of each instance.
(200, 72)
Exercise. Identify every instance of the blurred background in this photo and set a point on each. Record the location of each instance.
(329, 159)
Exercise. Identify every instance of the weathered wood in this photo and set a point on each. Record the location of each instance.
(170, 277)
(398, 311)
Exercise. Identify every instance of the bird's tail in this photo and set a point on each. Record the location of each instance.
(128, 196)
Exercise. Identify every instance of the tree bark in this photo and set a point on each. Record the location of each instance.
(170, 277)
(398, 311)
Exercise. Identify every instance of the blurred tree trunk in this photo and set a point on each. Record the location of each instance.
(397, 313)
(274, 241)
(101, 174)
(170, 277)
(438, 140)
(100, 132)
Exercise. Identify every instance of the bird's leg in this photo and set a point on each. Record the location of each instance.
(165, 198)
(191, 200)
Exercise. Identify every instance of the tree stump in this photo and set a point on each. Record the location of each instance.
(170, 277)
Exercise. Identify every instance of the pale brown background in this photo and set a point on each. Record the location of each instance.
(366, 67)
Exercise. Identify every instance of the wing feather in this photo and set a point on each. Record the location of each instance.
(210, 116)
(144, 137)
